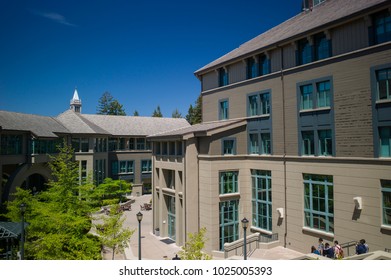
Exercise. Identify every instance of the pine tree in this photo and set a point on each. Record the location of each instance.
(194, 114)
(176, 114)
(107, 105)
(157, 113)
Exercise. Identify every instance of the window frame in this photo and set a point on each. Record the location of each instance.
(224, 148)
(258, 177)
(224, 110)
(228, 185)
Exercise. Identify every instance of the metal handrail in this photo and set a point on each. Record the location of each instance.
(347, 245)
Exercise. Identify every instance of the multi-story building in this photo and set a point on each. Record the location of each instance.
(296, 136)
(105, 146)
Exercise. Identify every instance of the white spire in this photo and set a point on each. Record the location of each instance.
(76, 102)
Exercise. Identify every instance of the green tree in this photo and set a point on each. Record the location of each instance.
(107, 105)
(192, 250)
(112, 233)
(194, 114)
(110, 192)
(157, 113)
(176, 114)
(136, 114)
(58, 218)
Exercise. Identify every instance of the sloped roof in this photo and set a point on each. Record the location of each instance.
(40, 126)
(200, 129)
(326, 13)
(138, 126)
(76, 124)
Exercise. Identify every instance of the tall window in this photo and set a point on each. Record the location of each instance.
(306, 97)
(229, 146)
(265, 144)
(318, 202)
(304, 52)
(325, 142)
(140, 143)
(385, 141)
(223, 77)
(308, 148)
(265, 103)
(146, 166)
(323, 94)
(259, 104)
(262, 199)
(383, 83)
(264, 65)
(386, 195)
(321, 46)
(382, 27)
(229, 222)
(100, 170)
(228, 182)
(223, 110)
(253, 105)
(100, 145)
(251, 68)
(254, 143)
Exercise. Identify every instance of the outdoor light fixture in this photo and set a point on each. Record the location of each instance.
(22, 211)
(244, 225)
(358, 202)
(280, 212)
(139, 219)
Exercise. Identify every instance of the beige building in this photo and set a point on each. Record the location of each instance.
(296, 136)
(105, 146)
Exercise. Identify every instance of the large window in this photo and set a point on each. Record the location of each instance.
(140, 143)
(265, 144)
(386, 195)
(223, 77)
(383, 84)
(229, 222)
(122, 167)
(223, 110)
(146, 166)
(100, 170)
(80, 145)
(322, 98)
(11, 144)
(254, 143)
(100, 145)
(321, 47)
(319, 202)
(251, 68)
(306, 97)
(262, 199)
(382, 27)
(41, 146)
(308, 143)
(385, 141)
(304, 52)
(264, 65)
(228, 182)
(323, 94)
(325, 142)
(259, 104)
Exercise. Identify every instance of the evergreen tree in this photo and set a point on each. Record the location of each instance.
(194, 114)
(157, 113)
(136, 114)
(176, 114)
(107, 105)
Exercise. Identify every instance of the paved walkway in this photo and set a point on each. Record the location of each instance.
(153, 248)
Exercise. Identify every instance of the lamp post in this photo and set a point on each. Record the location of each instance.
(244, 225)
(139, 219)
(22, 211)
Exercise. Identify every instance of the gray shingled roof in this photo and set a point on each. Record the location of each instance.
(138, 126)
(78, 125)
(197, 128)
(323, 14)
(40, 126)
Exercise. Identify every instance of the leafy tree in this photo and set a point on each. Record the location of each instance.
(110, 192)
(107, 105)
(194, 114)
(192, 250)
(136, 114)
(157, 113)
(176, 114)
(112, 233)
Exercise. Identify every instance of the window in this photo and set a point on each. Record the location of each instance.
(264, 65)
(223, 110)
(308, 143)
(383, 84)
(229, 146)
(265, 103)
(306, 97)
(325, 142)
(172, 148)
(223, 77)
(318, 202)
(254, 143)
(164, 148)
(157, 148)
(169, 178)
(265, 144)
(146, 166)
(322, 46)
(251, 68)
(100, 170)
(179, 148)
(262, 199)
(382, 27)
(84, 143)
(83, 171)
(385, 141)
(131, 143)
(323, 94)
(122, 167)
(228, 222)
(228, 182)
(140, 143)
(304, 52)
(41, 146)
(113, 144)
(253, 105)
(100, 145)
(386, 195)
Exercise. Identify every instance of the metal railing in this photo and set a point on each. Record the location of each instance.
(346, 247)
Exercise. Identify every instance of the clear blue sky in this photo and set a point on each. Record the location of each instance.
(143, 52)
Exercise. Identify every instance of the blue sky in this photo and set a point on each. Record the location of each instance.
(143, 52)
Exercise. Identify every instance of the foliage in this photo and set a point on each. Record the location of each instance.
(157, 113)
(107, 105)
(192, 250)
(111, 231)
(110, 192)
(176, 114)
(194, 114)
(136, 114)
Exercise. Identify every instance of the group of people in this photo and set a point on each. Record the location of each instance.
(336, 251)
(333, 252)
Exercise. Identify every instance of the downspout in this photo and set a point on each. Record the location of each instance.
(284, 142)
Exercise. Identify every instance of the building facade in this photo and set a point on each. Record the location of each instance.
(296, 136)
(104, 146)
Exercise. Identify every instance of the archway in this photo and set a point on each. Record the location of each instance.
(35, 183)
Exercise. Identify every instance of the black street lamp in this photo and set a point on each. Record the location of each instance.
(244, 225)
(139, 219)
(22, 211)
